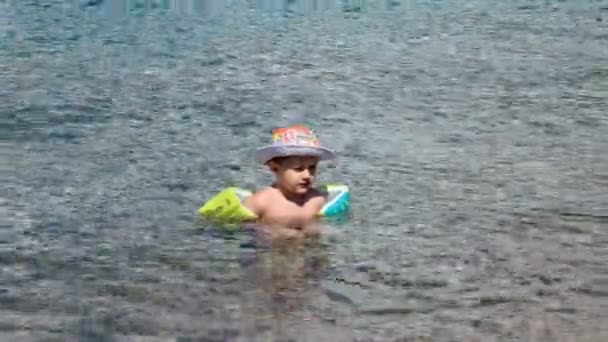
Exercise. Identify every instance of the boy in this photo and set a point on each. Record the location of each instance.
(291, 203)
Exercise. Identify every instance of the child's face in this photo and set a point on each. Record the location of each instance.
(295, 174)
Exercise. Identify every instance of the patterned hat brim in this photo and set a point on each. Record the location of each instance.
(264, 154)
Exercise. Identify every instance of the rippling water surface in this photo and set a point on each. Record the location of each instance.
(474, 136)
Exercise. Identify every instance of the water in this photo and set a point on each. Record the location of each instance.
(473, 135)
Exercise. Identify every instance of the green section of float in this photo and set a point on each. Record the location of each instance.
(227, 205)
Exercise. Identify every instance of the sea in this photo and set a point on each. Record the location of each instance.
(473, 135)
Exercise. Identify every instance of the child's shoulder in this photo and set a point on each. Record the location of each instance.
(317, 196)
(272, 192)
(267, 191)
(263, 194)
(258, 201)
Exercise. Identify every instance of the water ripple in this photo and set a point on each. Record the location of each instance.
(473, 135)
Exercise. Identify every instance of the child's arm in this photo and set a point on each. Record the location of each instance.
(315, 203)
(255, 203)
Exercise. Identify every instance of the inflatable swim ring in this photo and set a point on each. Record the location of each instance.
(227, 206)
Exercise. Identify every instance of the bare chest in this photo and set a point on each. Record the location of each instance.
(291, 215)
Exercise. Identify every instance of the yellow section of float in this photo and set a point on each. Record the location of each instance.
(227, 206)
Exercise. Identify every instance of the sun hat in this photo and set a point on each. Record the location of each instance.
(296, 140)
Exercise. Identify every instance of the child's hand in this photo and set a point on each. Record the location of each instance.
(313, 229)
(288, 233)
(280, 232)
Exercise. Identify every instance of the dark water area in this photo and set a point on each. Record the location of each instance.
(473, 135)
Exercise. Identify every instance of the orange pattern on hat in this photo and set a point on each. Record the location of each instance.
(295, 135)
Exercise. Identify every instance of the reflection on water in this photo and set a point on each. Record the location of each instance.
(280, 284)
(211, 8)
(473, 133)
(5, 18)
(310, 6)
(120, 8)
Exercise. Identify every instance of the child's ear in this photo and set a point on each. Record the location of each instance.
(273, 166)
